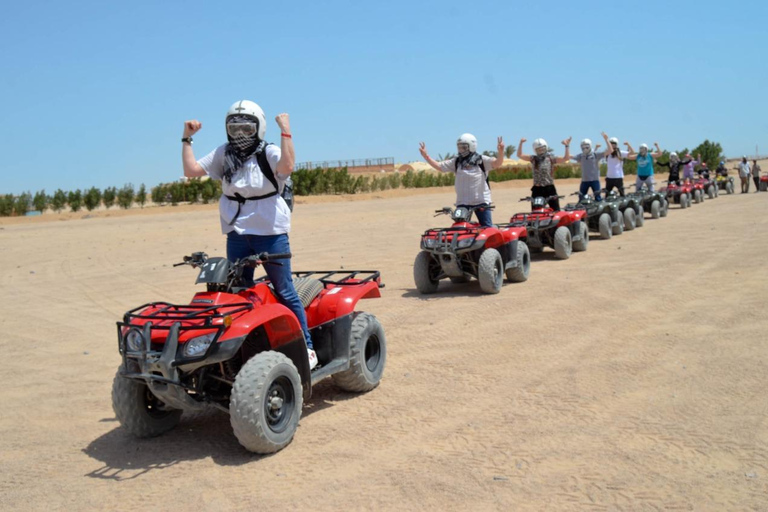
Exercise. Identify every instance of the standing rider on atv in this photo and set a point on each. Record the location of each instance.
(644, 164)
(722, 170)
(253, 214)
(590, 169)
(690, 165)
(704, 171)
(544, 169)
(615, 175)
(471, 170)
(674, 166)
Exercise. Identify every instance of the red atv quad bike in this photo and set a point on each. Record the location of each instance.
(708, 185)
(240, 350)
(699, 190)
(562, 230)
(763, 183)
(467, 249)
(678, 193)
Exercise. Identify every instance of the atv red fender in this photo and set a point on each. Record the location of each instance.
(339, 300)
(278, 321)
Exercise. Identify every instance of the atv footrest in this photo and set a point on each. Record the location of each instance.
(335, 366)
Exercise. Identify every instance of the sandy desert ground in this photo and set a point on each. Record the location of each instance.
(629, 377)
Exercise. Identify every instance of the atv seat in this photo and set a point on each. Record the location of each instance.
(307, 288)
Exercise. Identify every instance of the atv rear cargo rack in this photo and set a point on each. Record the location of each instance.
(350, 277)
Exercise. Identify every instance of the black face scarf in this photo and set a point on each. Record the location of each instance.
(471, 159)
(240, 148)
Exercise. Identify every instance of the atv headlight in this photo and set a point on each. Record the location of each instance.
(134, 341)
(429, 243)
(544, 223)
(197, 346)
(465, 242)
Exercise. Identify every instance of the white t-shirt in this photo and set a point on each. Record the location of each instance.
(270, 216)
(471, 188)
(616, 165)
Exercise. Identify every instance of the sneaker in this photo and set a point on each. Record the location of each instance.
(312, 359)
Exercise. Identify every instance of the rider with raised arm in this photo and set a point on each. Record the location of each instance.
(615, 161)
(544, 169)
(471, 170)
(589, 159)
(644, 164)
(674, 165)
(689, 166)
(253, 215)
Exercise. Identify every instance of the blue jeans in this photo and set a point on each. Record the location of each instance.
(483, 215)
(242, 246)
(594, 185)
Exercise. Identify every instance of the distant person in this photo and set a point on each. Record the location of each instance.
(614, 178)
(721, 170)
(644, 164)
(744, 172)
(544, 169)
(756, 174)
(253, 215)
(689, 166)
(589, 160)
(704, 171)
(471, 170)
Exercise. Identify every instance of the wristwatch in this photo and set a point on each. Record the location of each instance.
(187, 139)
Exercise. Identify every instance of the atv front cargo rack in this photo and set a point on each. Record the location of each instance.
(185, 312)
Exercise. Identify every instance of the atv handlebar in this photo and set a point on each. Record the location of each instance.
(529, 198)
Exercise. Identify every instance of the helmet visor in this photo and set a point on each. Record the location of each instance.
(586, 148)
(462, 147)
(242, 129)
(541, 150)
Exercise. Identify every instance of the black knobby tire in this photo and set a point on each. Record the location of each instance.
(729, 187)
(711, 192)
(640, 217)
(520, 273)
(490, 271)
(655, 209)
(563, 243)
(697, 196)
(619, 227)
(368, 355)
(139, 411)
(629, 219)
(683, 201)
(604, 226)
(265, 404)
(582, 244)
(422, 274)
(665, 208)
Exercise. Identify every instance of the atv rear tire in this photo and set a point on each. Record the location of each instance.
(490, 271)
(139, 411)
(519, 273)
(711, 192)
(368, 355)
(639, 217)
(563, 243)
(655, 209)
(683, 201)
(629, 219)
(729, 187)
(664, 208)
(265, 404)
(582, 244)
(697, 196)
(425, 283)
(604, 224)
(619, 227)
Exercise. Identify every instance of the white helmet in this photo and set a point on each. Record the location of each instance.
(540, 143)
(643, 146)
(614, 140)
(588, 144)
(250, 109)
(470, 140)
(673, 157)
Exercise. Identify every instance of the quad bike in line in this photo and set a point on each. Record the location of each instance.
(467, 250)
(564, 231)
(630, 208)
(654, 202)
(678, 193)
(599, 215)
(725, 183)
(238, 349)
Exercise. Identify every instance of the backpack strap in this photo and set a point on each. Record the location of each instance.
(482, 168)
(266, 168)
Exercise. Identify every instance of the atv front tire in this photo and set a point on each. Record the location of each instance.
(604, 225)
(711, 192)
(519, 273)
(729, 187)
(368, 355)
(422, 276)
(683, 201)
(664, 208)
(563, 243)
(582, 244)
(619, 227)
(265, 404)
(490, 271)
(139, 411)
(629, 219)
(639, 217)
(655, 209)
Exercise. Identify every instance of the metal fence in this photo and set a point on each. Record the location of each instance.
(338, 164)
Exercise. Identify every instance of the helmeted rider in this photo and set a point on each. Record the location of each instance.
(644, 164)
(703, 171)
(689, 167)
(615, 162)
(589, 160)
(471, 170)
(543, 163)
(721, 170)
(674, 165)
(253, 215)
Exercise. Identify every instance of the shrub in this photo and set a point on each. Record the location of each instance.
(59, 200)
(141, 195)
(125, 196)
(75, 200)
(92, 198)
(6, 205)
(41, 201)
(109, 196)
(21, 204)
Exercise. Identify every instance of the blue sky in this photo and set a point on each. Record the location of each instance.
(95, 93)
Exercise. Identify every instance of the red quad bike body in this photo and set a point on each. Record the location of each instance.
(678, 193)
(562, 230)
(763, 183)
(468, 250)
(240, 350)
(699, 190)
(707, 185)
